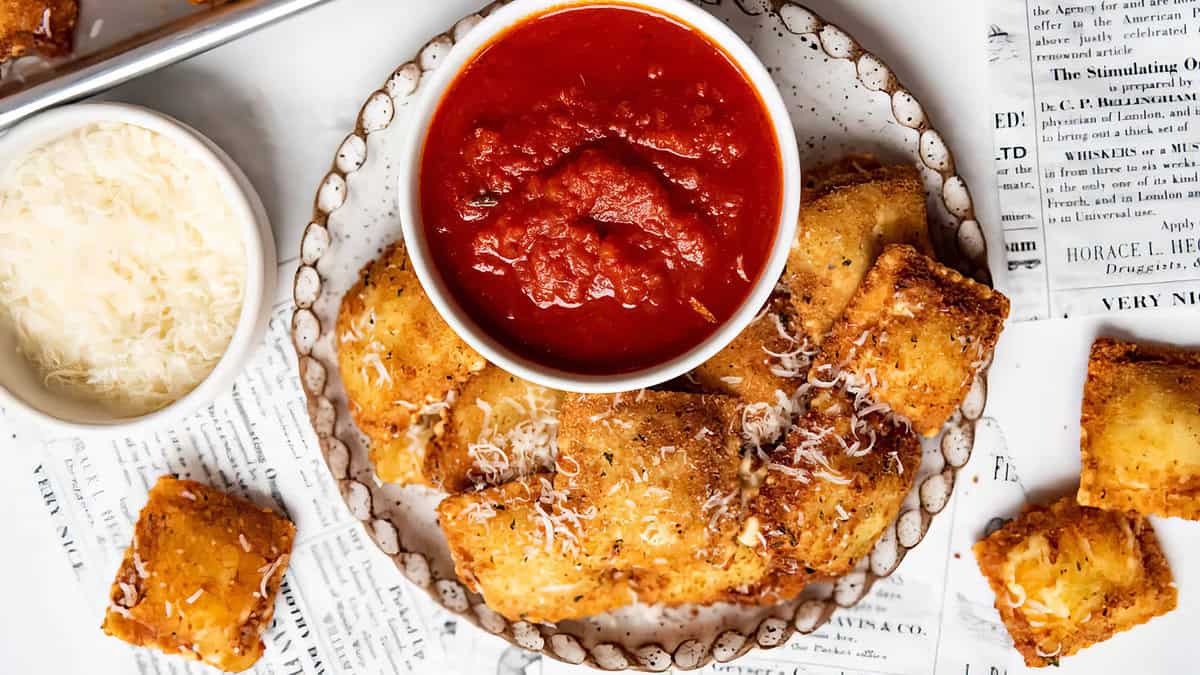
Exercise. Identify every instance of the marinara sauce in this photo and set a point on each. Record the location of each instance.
(600, 188)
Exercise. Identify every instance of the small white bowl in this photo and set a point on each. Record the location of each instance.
(21, 387)
(434, 86)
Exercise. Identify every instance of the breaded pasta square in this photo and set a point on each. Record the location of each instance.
(398, 360)
(914, 336)
(520, 546)
(829, 492)
(1068, 576)
(644, 506)
(849, 211)
(200, 576)
(1140, 437)
(499, 427)
(662, 469)
(765, 358)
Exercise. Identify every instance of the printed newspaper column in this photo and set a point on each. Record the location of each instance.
(343, 606)
(1097, 120)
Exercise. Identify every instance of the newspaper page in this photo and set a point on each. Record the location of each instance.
(1097, 146)
(342, 608)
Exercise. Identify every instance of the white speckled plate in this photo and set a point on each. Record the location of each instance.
(842, 99)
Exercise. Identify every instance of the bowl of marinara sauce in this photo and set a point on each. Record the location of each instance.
(599, 196)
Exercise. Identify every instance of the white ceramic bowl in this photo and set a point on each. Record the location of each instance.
(433, 89)
(21, 386)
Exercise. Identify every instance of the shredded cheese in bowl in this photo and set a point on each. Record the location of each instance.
(124, 266)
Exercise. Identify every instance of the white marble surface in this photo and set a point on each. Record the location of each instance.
(280, 101)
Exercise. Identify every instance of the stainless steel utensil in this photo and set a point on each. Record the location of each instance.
(117, 40)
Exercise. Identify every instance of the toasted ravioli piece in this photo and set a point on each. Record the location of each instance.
(396, 355)
(763, 359)
(520, 546)
(914, 335)
(36, 26)
(849, 211)
(645, 506)
(1069, 576)
(830, 491)
(1140, 437)
(500, 427)
(662, 469)
(201, 575)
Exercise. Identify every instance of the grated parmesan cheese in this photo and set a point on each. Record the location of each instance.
(499, 455)
(560, 520)
(124, 266)
(267, 571)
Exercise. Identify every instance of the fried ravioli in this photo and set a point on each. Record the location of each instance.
(1140, 437)
(397, 358)
(645, 507)
(830, 491)
(36, 26)
(1069, 576)
(914, 336)
(849, 211)
(763, 359)
(517, 544)
(662, 468)
(500, 427)
(201, 575)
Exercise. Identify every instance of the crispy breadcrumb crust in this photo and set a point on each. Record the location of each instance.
(1108, 564)
(489, 408)
(917, 333)
(1140, 430)
(645, 505)
(36, 27)
(396, 356)
(849, 211)
(750, 367)
(662, 468)
(497, 540)
(192, 581)
(821, 509)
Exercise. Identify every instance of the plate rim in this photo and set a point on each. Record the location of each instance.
(805, 616)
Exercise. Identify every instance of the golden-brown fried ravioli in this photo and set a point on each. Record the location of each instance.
(830, 491)
(914, 336)
(36, 26)
(662, 469)
(849, 211)
(518, 545)
(645, 506)
(1069, 576)
(1140, 437)
(763, 359)
(499, 427)
(398, 359)
(200, 576)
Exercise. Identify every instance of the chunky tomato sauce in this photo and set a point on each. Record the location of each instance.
(600, 188)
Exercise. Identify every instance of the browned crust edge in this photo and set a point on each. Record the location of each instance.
(991, 553)
(1108, 354)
